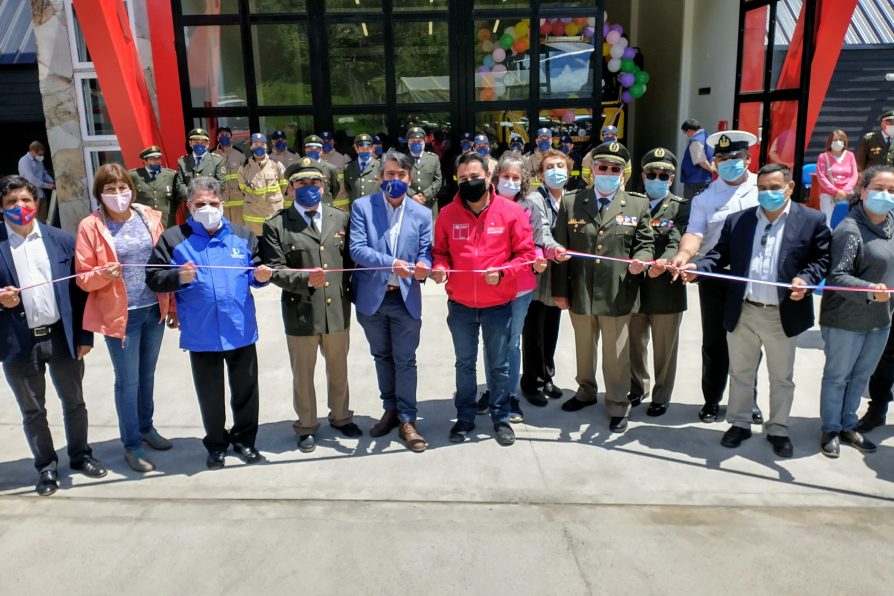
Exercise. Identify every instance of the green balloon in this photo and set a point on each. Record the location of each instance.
(642, 77)
(627, 66)
(637, 91)
(506, 41)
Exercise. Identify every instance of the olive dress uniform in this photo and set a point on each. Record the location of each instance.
(426, 176)
(361, 183)
(602, 294)
(232, 194)
(189, 167)
(315, 318)
(156, 190)
(339, 162)
(874, 150)
(661, 301)
(263, 185)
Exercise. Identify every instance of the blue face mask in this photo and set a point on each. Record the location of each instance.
(609, 139)
(395, 189)
(517, 147)
(199, 150)
(378, 151)
(154, 169)
(314, 154)
(259, 151)
(364, 158)
(731, 169)
(657, 189)
(565, 149)
(771, 200)
(416, 148)
(556, 178)
(19, 215)
(544, 145)
(606, 184)
(280, 145)
(879, 202)
(483, 151)
(465, 146)
(308, 196)
(327, 147)
(224, 141)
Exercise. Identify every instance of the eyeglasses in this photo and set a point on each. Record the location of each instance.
(612, 169)
(766, 235)
(663, 176)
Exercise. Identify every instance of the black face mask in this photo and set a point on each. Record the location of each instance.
(472, 190)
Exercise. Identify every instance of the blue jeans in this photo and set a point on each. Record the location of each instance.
(494, 322)
(851, 357)
(134, 361)
(519, 312)
(393, 336)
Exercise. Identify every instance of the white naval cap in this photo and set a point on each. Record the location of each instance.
(731, 141)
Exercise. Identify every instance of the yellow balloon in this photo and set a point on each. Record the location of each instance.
(606, 49)
(522, 28)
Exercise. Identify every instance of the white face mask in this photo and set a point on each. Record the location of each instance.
(40, 157)
(508, 188)
(889, 130)
(208, 216)
(116, 203)
(837, 145)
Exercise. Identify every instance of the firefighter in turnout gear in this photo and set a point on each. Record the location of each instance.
(233, 160)
(263, 183)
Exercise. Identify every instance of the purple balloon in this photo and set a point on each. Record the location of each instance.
(566, 20)
(484, 69)
(626, 97)
(627, 79)
(629, 53)
(617, 27)
(589, 31)
(605, 29)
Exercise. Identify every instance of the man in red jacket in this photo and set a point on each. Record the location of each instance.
(486, 240)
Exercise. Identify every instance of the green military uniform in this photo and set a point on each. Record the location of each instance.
(426, 172)
(874, 150)
(187, 169)
(361, 183)
(602, 294)
(661, 300)
(315, 318)
(331, 185)
(156, 190)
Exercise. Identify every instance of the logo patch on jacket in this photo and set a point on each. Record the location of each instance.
(496, 230)
(236, 253)
(460, 231)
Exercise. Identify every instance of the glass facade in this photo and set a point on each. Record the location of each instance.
(382, 66)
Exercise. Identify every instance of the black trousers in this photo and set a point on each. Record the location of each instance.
(540, 335)
(882, 380)
(27, 379)
(208, 376)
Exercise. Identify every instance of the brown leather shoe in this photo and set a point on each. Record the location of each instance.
(384, 426)
(412, 438)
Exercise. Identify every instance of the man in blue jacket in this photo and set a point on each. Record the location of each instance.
(216, 313)
(387, 230)
(40, 326)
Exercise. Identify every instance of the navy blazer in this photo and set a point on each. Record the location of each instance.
(804, 253)
(15, 339)
(370, 248)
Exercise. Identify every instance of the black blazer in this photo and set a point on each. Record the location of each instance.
(804, 253)
(15, 339)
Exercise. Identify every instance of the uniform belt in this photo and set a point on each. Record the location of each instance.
(44, 330)
(761, 304)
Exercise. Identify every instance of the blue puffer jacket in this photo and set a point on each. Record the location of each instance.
(216, 309)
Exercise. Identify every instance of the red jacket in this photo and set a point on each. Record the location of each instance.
(500, 236)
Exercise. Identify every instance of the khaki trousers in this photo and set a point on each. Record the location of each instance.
(615, 359)
(665, 332)
(760, 327)
(303, 358)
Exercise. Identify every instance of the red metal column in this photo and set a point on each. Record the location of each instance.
(167, 80)
(112, 48)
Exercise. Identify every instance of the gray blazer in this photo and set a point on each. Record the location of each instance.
(548, 217)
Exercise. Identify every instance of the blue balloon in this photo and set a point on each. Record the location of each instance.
(489, 61)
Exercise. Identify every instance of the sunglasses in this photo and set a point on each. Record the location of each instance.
(612, 169)
(663, 176)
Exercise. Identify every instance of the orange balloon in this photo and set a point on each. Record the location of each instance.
(519, 46)
(581, 21)
(487, 94)
(483, 33)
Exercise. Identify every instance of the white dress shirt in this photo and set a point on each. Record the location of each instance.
(318, 218)
(711, 207)
(395, 219)
(29, 255)
(765, 257)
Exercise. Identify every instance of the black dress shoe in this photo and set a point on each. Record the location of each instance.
(830, 445)
(709, 413)
(536, 399)
(656, 409)
(505, 434)
(483, 404)
(857, 441)
(461, 430)
(48, 483)
(618, 424)
(574, 404)
(873, 418)
(635, 400)
(350, 430)
(552, 391)
(733, 437)
(90, 467)
(247, 453)
(307, 443)
(216, 460)
(757, 416)
(782, 446)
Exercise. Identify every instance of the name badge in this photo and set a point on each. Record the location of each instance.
(460, 231)
(496, 230)
(626, 220)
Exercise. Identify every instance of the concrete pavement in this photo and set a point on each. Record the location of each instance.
(569, 509)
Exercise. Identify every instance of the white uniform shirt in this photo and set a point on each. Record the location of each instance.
(717, 202)
(29, 255)
(765, 257)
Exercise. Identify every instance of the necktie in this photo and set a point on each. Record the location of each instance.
(603, 203)
(312, 218)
